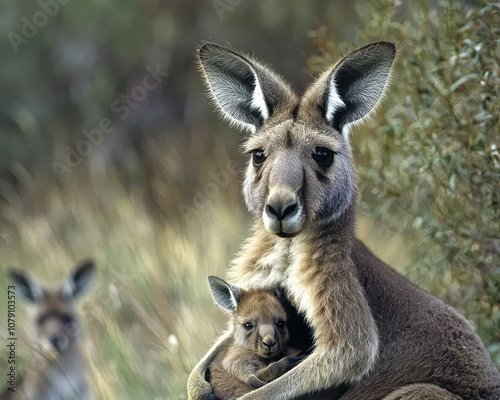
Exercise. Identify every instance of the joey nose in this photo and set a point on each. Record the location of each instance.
(269, 342)
(279, 209)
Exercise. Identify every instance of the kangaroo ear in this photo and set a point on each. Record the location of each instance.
(79, 280)
(28, 289)
(245, 92)
(355, 85)
(279, 292)
(224, 294)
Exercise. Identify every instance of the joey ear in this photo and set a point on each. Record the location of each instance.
(245, 92)
(279, 292)
(227, 296)
(27, 289)
(79, 280)
(355, 85)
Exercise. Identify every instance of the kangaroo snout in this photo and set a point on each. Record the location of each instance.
(59, 342)
(281, 210)
(269, 343)
(283, 213)
(268, 340)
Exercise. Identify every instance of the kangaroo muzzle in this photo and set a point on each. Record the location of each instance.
(268, 343)
(283, 213)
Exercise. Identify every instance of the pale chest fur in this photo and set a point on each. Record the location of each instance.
(283, 265)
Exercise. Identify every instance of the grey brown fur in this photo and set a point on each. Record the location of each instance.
(375, 333)
(259, 352)
(56, 370)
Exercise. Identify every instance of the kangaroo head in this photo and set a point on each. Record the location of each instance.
(56, 322)
(258, 318)
(300, 171)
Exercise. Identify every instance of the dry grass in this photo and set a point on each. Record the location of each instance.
(143, 326)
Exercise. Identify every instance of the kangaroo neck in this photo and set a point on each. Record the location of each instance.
(339, 233)
(265, 259)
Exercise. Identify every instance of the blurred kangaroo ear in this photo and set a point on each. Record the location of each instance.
(244, 91)
(28, 289)
(224, 294)
(79, 280)
(355, 85)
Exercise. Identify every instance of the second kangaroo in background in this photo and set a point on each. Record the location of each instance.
(258, 353)
(57, 367)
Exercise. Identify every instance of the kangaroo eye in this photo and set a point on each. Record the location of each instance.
(248, 326)
(258, 157)
(281, 324)
(66, 319)
(323, 156)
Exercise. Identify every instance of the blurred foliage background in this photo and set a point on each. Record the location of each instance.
(109, 149)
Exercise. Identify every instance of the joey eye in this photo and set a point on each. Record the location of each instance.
(258, 157)
(248, 326)
(323, 156)
(281, 324)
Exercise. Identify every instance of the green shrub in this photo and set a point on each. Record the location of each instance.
(429, 161)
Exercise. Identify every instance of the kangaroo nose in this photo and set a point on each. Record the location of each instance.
(59, 342)
(269, 342)
(279, 210)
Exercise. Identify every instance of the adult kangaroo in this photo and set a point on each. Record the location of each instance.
(376, 335)
(57, 368)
